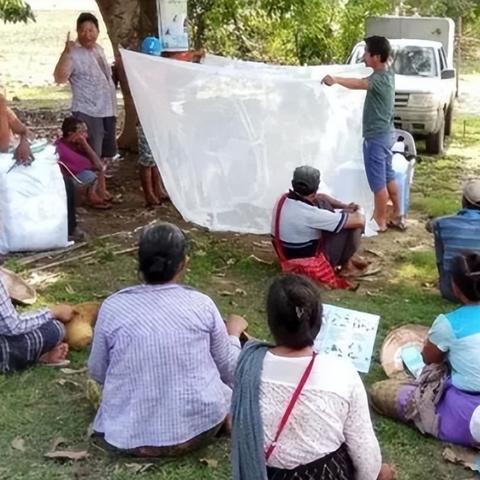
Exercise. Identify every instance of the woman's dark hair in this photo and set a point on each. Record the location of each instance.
(376, 45)
(70, 125)
(87, 17)
(161, 252)
(294, 311)
(466, 275)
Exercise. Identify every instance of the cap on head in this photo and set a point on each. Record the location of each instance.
(471, 191)
(305, 180)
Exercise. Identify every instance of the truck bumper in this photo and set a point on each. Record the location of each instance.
(419, 121)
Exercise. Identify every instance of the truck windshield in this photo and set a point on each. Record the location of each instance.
(408, 60)
(412, 60)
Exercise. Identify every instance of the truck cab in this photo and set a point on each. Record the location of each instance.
(425, 83)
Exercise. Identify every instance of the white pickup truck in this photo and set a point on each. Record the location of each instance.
(424, 75)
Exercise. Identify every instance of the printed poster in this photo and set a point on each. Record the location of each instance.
(348, 334)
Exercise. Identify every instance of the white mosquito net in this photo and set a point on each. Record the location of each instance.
(227, 134)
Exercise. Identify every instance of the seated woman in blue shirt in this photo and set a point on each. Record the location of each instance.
(445, 402)
(164, 356)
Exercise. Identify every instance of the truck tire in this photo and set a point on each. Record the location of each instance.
(434, 141)
(449, 120)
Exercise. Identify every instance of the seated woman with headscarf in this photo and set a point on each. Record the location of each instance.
(164, 356)
(445, 400)
(297, 414)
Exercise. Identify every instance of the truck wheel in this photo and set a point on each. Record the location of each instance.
(434, 141)
(449, 120)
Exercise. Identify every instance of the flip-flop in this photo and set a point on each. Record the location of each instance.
(397, 225)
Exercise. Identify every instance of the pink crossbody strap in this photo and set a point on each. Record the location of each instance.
(291, 404)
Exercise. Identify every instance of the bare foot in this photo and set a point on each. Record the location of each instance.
(151, 200)
(359, 262)
(350, 270)
(57, 355)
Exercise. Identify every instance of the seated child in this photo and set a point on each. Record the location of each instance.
(79, 161)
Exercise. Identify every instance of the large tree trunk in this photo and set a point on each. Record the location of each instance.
(128, 22)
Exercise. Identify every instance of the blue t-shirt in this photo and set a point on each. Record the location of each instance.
(458, 335)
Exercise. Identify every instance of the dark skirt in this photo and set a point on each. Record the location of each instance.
(167, 451)
(334, 466)
(20, 351)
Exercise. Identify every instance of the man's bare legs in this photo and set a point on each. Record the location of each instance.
(147, 181)
(393, 191)
(158, 186)
(380, 200)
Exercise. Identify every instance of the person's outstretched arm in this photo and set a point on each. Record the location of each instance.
(351, 83)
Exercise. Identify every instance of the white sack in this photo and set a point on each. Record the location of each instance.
(227, 134)
(33, 204)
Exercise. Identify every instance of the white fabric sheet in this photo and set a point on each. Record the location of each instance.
(228, 134)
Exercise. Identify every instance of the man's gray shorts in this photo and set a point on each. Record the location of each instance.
(101, 133)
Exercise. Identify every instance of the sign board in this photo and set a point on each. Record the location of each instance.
(172, 24)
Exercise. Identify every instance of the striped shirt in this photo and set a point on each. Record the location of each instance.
(91, 80)
(13, 323)
(166, 362)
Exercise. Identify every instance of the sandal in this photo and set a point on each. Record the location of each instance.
(399, 225)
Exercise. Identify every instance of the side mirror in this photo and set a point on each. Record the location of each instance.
(448, 73)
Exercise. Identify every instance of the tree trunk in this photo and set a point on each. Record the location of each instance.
(128, 22)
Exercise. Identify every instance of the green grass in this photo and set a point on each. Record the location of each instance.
(39, 406)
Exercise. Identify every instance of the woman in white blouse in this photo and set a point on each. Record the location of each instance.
(307, 413)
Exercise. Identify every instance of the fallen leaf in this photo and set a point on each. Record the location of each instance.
(209, 462)
(231, 261)
(240, 291)
(71, 371)
(18, 443)
(57, 441)
(139, 467)
(74, 455)
(467, 457)
(63, 381)
(226, 293)
(373, 252)
(69, 289)
(260, 260)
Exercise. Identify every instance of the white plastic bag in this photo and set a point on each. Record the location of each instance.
(33, 204)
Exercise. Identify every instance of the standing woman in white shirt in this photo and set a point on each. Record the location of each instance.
(297, 414)
(84, 65)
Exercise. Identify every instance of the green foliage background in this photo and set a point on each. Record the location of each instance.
(307, 31)
(292, 31)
